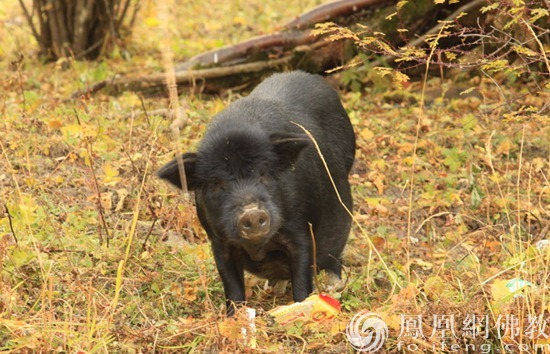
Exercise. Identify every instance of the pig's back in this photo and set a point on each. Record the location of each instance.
(308, 100)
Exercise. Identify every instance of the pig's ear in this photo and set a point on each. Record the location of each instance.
(288, 147)
(170, 172)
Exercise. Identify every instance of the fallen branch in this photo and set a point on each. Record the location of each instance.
(292, 36)
(185, 77)
(241, 52)
(326, 12)
(296, 47)
(293, 47)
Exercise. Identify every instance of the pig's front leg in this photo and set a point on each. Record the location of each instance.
(301, 261)
(231, 271)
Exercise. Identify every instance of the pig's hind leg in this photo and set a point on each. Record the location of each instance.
(331, 238)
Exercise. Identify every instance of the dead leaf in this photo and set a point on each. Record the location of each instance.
(366, 134)
(111, 174)
(54, 124)
(504, 147)
(106, 201)
(122, 194)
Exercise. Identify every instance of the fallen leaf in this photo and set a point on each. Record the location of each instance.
(366, 134)
(106, 201)
(54, 124)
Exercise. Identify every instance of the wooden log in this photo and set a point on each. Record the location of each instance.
(295, 33)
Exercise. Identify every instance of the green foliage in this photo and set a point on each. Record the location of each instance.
(454, 158)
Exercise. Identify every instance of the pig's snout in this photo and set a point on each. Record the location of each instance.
(254, 222)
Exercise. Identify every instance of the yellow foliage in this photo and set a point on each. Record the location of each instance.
(111, 175)
(524, 50)
(366, 134)
(505, 146)
(152, 21)
(71, 131)
(54, 123)
(239, 20)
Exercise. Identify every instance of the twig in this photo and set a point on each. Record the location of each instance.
(61, 250)
(10, 222)
(155, 219)
(518, 181)
(33, 28)
(96, 186)
(489, 155)
(500, 90)
(540, 45)
(431, 217)
(314, 249)
(148, 234)
(20, 77)
(98, 192)
(466, 7)
(473, 5)
(145, 109)
(371, 245)
(543, 208)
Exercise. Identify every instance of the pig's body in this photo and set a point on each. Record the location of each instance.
(259, 182)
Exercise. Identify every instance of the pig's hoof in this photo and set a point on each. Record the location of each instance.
(277, 288)
(334, 283)
(329, 282)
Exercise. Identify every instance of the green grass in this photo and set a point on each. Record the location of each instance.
(97, 255)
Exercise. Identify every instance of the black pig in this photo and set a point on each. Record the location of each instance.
(259, 181)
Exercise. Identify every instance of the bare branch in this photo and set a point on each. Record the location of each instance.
(31, 24)
(247, 48)
(326, 12)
